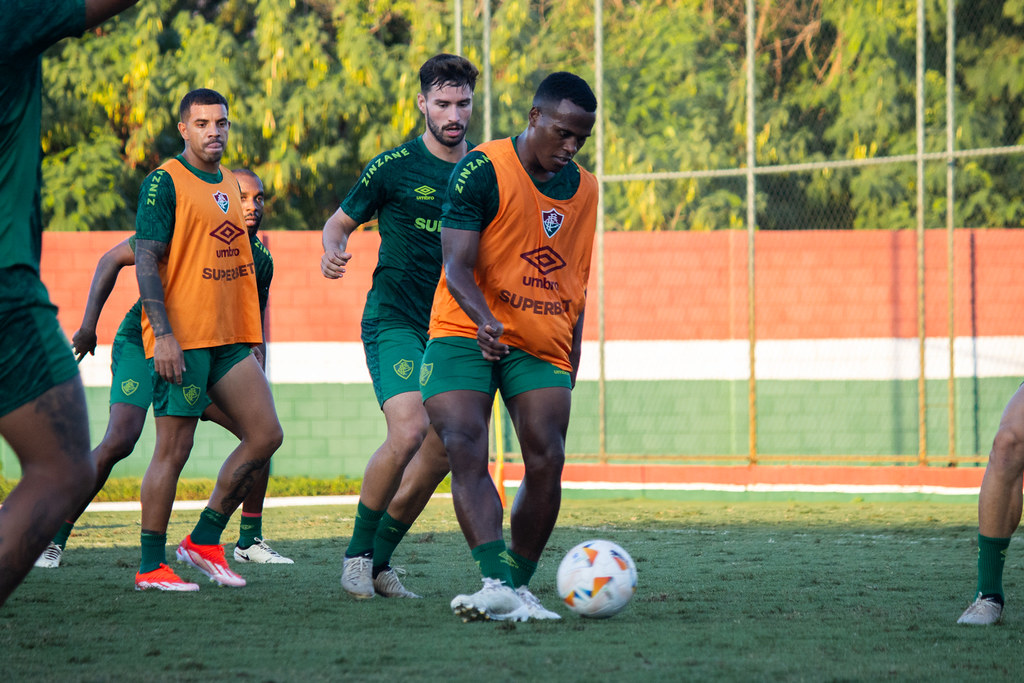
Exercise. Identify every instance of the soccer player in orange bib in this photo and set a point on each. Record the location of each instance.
(200, 319)
(517, 235)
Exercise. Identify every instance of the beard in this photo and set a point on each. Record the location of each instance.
(439, 135)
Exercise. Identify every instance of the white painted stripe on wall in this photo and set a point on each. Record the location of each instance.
(759, 488)
(800, 359)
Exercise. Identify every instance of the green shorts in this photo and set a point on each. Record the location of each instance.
(203, 369)
(454, 363)
(132, 381)
(35, 354)
(393, 356)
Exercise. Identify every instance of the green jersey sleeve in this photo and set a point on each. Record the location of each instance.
(264, 264)
(369, 194)
(154, 219)
(471, 201)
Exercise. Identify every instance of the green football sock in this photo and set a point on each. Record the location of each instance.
(210, 526)
(389, 534)
(61, 538)
(249, 529)
(522, 569)
(364, 530)
(492, 559)
(991, 558)
(154, 551)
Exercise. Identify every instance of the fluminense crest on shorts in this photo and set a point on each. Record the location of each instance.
(404, 368)
(222, 200)
(129, 386)
(552, 221)
(191, 394)
(425, 371)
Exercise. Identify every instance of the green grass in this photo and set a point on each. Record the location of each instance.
(728, 591)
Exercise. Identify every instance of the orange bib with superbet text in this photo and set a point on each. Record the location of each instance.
(532, 265)
(207, 270)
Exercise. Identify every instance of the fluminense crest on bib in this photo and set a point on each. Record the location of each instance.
(222, 200)
(552, 221)
(425, 371)
(129, 387)
(404, 368)
(191, 394)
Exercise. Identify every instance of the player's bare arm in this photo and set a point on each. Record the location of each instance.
(335, 240)
(168, 358)
(576, 350)
(460, 248)
(103, 280)
(98, 11)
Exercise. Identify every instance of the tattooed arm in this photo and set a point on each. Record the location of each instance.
(168, 358)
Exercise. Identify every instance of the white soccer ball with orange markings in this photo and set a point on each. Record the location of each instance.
(597, 579)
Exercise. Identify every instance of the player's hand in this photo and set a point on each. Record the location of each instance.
(83, 342)
(487, 338)
(169, 359)
(257, 353)
(333, 262)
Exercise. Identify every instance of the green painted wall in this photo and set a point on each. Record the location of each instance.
(331, 429)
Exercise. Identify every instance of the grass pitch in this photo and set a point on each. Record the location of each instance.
(727, 591)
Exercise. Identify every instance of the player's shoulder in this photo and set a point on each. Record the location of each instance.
(259, 246)
(473, 168)
(399, 156)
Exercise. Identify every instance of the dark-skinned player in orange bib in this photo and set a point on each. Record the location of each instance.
(517, 236)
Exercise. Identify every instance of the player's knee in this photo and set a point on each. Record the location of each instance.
(464, 449)
(119, 443)
(405, 439)
(270, 438)
(1008, 448)
(544, 462)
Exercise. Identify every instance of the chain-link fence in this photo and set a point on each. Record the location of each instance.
(804, 256)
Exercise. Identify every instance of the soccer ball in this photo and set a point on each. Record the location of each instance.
(596, 579)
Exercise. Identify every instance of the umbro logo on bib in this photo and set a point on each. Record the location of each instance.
(222, 200)
(552, 221)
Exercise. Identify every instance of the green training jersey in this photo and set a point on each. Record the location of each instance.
(131, 326)
(26, 29)
(404, 187)
(158, 202)
(471, 200)
(264, 264)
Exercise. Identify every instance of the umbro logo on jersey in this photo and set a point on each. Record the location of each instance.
(227, 232)
(552, 221)
(222, 201)
(425, 192)
(545, 259)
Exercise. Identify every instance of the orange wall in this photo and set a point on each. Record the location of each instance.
(667, 285)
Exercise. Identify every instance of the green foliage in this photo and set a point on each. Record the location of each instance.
(318, 87)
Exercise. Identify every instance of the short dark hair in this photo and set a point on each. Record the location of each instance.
(199, 96)
(563, 85)
(447, 70)
(245, 171)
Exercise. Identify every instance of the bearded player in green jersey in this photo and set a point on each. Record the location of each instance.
(404, 187)
(42, 402)
(131, 391)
